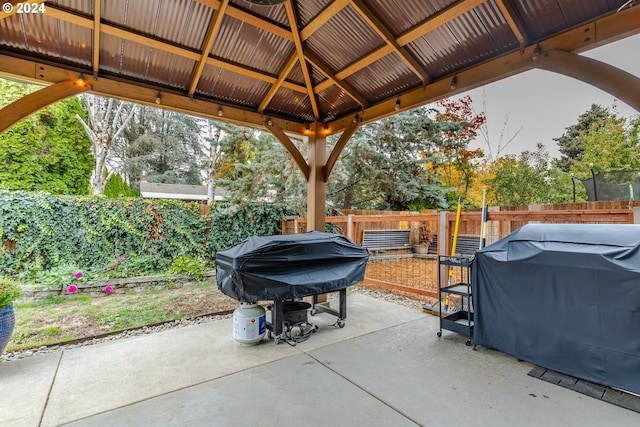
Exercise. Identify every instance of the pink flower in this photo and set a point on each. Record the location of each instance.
(78, 275)
(114, 264)
(108, 289)
(72, 289)
(121, 257)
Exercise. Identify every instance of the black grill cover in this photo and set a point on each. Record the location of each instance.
(289, 266)
(565, 297)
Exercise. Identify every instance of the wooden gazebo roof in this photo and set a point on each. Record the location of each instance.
(301, 61)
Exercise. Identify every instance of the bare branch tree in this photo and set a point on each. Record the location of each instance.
(484, 131)
(108, 118)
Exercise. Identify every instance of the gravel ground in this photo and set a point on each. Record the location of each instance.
(145, 330)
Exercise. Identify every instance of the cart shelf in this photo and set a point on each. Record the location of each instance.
(460, 321)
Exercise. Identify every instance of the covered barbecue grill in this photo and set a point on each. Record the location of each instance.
(289, 267)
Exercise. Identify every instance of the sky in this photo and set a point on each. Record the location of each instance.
(541, 104)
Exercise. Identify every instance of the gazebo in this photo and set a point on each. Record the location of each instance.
(302, 68)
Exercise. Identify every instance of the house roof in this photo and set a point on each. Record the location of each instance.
(327, 61)
(156, 190)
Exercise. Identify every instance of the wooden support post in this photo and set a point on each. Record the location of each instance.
(316, 186)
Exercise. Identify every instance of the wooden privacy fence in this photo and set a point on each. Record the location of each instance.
(404, 246)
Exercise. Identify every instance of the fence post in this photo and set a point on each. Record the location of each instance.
(636, 214)
(350, 227)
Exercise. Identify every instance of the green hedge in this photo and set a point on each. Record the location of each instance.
(46, 238)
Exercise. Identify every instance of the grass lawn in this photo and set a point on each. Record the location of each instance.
(59, 319)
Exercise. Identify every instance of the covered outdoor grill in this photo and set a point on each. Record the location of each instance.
(289, 267)
(565, 297)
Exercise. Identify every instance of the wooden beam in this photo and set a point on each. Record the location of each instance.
(207, 44)
(386, 35)
(29, 104)
(322, 18)
(337, 149)
(154, 43)
(517, 28)
(346, 87)
(619, 83)
(456, 9)
(96, 38)
(274, 87)
(293, 23)
(40, 73)
(250, 19)
(597, 33)
(290, 147)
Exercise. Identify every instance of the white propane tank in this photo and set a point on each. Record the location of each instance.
(249, 323)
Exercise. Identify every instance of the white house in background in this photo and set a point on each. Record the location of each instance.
(185, 192)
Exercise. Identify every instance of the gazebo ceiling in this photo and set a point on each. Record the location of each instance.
(300, 61)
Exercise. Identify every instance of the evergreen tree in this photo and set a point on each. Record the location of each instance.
(47, 151)
(167, 148)
(570, 144)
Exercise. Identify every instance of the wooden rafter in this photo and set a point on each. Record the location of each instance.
(456, 9)
(390, 40)
(603, 30)
(514, 23)
(323, 17)
(293, 23)
(257, 22)
(346, 87)
(96, 38)
(274, 87)
(212, 32)
(58, 13)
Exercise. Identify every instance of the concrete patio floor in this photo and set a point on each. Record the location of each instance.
(385, 367)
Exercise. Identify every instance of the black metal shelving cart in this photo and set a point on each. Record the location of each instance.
(458, 279)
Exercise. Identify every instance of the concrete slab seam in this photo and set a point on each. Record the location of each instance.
(364, 390)
(46, 402)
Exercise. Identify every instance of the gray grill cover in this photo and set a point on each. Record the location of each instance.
(564, 297)
(289, 266)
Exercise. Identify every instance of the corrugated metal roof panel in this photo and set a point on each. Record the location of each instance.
(114, 11)
(307, 10)
(76, 44)
(540, 18)
(256, 48)
(276, 14)
(170, 70)
(42, 37)
(334, 101)
(110, 47)
(142, 15)
(400, 15)
(82, 6)
(174, 19)
(496, 26)
(576, 11)
(295, 75)
(11, 34)
(385, 77)
(196, 26)
(348, 35)
(289, 103)
(135, 59)
(231, 88)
